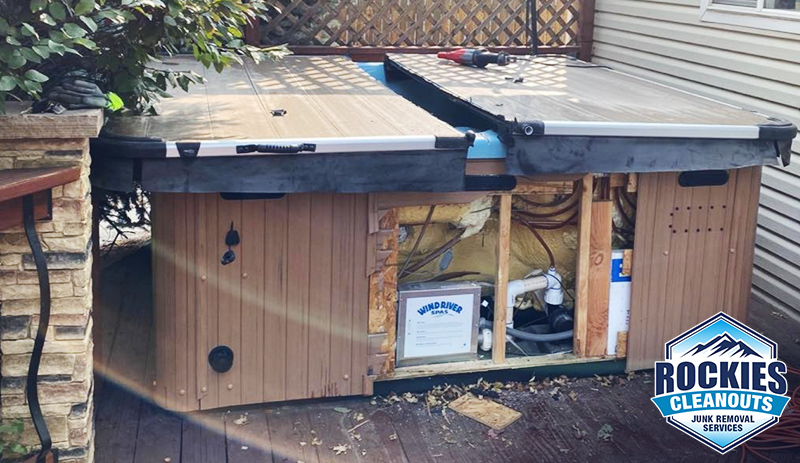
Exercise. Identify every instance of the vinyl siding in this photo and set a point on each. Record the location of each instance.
(665, 41)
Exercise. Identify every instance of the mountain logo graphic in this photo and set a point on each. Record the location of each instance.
(721, 383)
(722, 345)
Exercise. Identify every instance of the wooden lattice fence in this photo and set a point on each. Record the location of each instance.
(423, 23)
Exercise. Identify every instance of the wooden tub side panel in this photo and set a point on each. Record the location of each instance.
(692, 258)
(292, 306)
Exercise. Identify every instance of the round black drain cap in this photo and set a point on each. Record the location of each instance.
(221, 359)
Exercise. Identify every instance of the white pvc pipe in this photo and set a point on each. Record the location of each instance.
(550, 281)
(517, 287)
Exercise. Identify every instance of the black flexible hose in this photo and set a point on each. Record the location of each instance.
(535, 337)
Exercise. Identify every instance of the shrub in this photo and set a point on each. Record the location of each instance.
(116, 43)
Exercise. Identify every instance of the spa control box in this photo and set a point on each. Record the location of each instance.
(437, 322)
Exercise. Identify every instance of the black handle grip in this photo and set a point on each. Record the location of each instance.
(278, 149)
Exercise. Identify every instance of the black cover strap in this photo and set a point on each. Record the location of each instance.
(31, 386)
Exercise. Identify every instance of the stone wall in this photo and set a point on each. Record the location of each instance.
(66, 374)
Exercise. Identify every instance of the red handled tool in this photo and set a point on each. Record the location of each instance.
(478, 57)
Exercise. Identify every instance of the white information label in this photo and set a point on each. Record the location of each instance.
(438, 325)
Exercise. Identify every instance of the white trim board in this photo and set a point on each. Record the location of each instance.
(757, 18)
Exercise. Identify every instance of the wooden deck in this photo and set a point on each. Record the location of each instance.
(557, 425)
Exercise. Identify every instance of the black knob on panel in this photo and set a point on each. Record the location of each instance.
(221, 359)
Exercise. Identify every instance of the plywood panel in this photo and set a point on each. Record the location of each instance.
(693, 256)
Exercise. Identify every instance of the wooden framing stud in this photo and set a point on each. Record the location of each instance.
(501, 280)
(599, 278)
(582, 266)
(633, 183)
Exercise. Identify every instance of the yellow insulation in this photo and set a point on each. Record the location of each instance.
(476, 253)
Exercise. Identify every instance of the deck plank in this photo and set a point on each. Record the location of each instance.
(330, 428)
(159, 435)
(290, 431)
(203, 439)
(117, 417)
(250, 443)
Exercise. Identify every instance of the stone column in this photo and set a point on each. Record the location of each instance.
(65, 375)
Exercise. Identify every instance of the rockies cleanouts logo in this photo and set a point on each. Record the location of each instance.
(721, 383)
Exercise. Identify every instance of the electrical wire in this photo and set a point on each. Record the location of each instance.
(783, 436)
(418, 241)
(553, 203)
(544, 215)
(622, 213)
(556, 225)
(438, 252)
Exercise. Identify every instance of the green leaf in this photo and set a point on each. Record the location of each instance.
(84, 7)
(4, 27)
(38, 5)
(85, 43)
(170, 21)
(56, 47)
(57, 11)
(7, 83)
(44, 52)
(89, 22)
(57, 36)
(47, 19)
(29, 31)
(73, 30)
(12, 41)
(16, 61)
(30, 55)
(36, 76)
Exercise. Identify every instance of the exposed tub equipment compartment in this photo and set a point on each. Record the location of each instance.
(437, 322)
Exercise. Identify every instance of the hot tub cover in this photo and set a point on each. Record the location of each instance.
(299, 124)
(561, 115)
